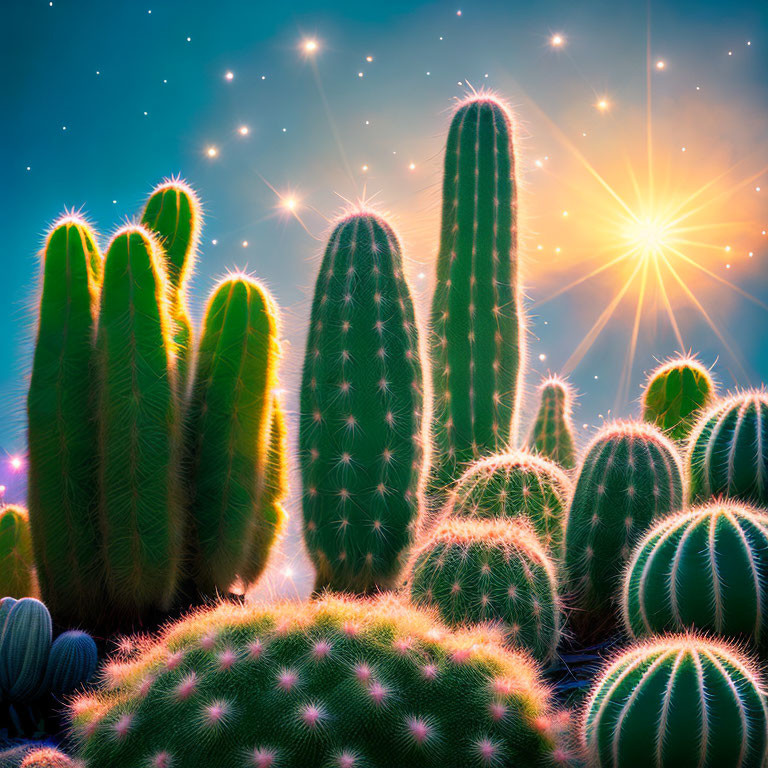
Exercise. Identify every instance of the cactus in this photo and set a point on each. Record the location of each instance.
(474, 571)
(477, 334)
(62, 433)
(6, 603)
(47, 757)
(331, 682)
(631, 476)
(679, 702)
(24, 647)
(360, 413)
(675, 396)
(138, 425)
(552, 433)
(515, 484)
(728, 451)
(701, 570)
(228, 429)
(16, 569)
(173, 213)
(71, 662)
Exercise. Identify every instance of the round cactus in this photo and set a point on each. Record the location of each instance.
(47, 757)
(680, 702)
(71, 663)
(515, 485)
(475, 571)
(332, 682)
(728, 451)
(552, 432)
(16, 573)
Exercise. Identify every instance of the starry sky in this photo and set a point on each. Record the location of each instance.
(639, 130)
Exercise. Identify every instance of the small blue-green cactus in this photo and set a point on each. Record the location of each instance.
(71, 662)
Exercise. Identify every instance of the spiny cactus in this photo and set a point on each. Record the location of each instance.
(71, 662)
(138, 425)
(16, 567)
(62, 432)
(228, 429)
(361, 405)
(332, 682)
(701, 570)
(679, 702)
(631, 476)
(552, 433)
(474, 571)
(675, 395)
(47, 757)
(515, 485)
(173, 213)
(728, 451)
(477, 337)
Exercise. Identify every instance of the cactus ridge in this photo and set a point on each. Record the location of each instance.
(551, 435)
(16, 565)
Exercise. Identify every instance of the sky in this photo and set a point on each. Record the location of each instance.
(654, 207)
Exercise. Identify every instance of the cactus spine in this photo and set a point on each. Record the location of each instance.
(680, 701)
(552, 432)
(228, 428)
(476, 314)
(361, 404)
(62, 433)
(16, 569)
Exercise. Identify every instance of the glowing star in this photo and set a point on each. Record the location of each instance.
(412, 167)
(16, 463)
(245, 243)
(212, 151)
(229, 76)
(661, 64)
(369, 59)
(557, 41)
(290, 203)
(310, 46)
(243, 130)
(2, 490)
(603, 105)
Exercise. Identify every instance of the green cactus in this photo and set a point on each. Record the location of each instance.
(512, 485)
(47, 757)
(679, 702)
(228, 429)
(16, 566)
(675, 396)
(62, 434)
(728, 451)
(477, 335)
(630, 477)
(71, 662)
(475, 571)
(332, 682)
(139, 504)
(360, 413)
(174, 214)
(552, 433)
(25, 643)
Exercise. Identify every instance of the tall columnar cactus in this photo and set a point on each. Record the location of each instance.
(361, 406)
(515, 485)
(173, 213)
(62, 433)
(477, 338)
(630, 477)
(475, 571)
(228, 429)
(675, 396)
(332, 682)
(552, 432)
(728, 451)
(138, 423)
(703, 570)
(679, 702)
(25, 642)
(16, 566)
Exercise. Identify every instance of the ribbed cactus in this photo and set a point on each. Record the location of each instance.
(47, 757)
(173, 213)
(228, 429)
(71, 662)
(476, 322)
(515, 485)
(630, 477)
(728, 451)
(138, 423)
(552, 433)
(702, 570)
(676, 394)
(332, 682)
(62, 434)
(16, 566)
(475, 571)
(679, 702)
(360, 413)
(25, 642)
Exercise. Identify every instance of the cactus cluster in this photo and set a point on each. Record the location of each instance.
(551, 435)
(17, 575)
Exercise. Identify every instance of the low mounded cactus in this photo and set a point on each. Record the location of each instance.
(71, 662)
(552, 433)
(678, 702)
(47, 757)
(474, 571)
(16, 563)
(332, 682)
(728, 451)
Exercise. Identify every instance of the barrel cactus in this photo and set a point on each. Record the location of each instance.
(360, 411)
(71, 662)
(727, 453)
(331, 682)
(552, 433)
(47, 757)
(474, 571)
(16, 566)
(631, 476)
(678, 702)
